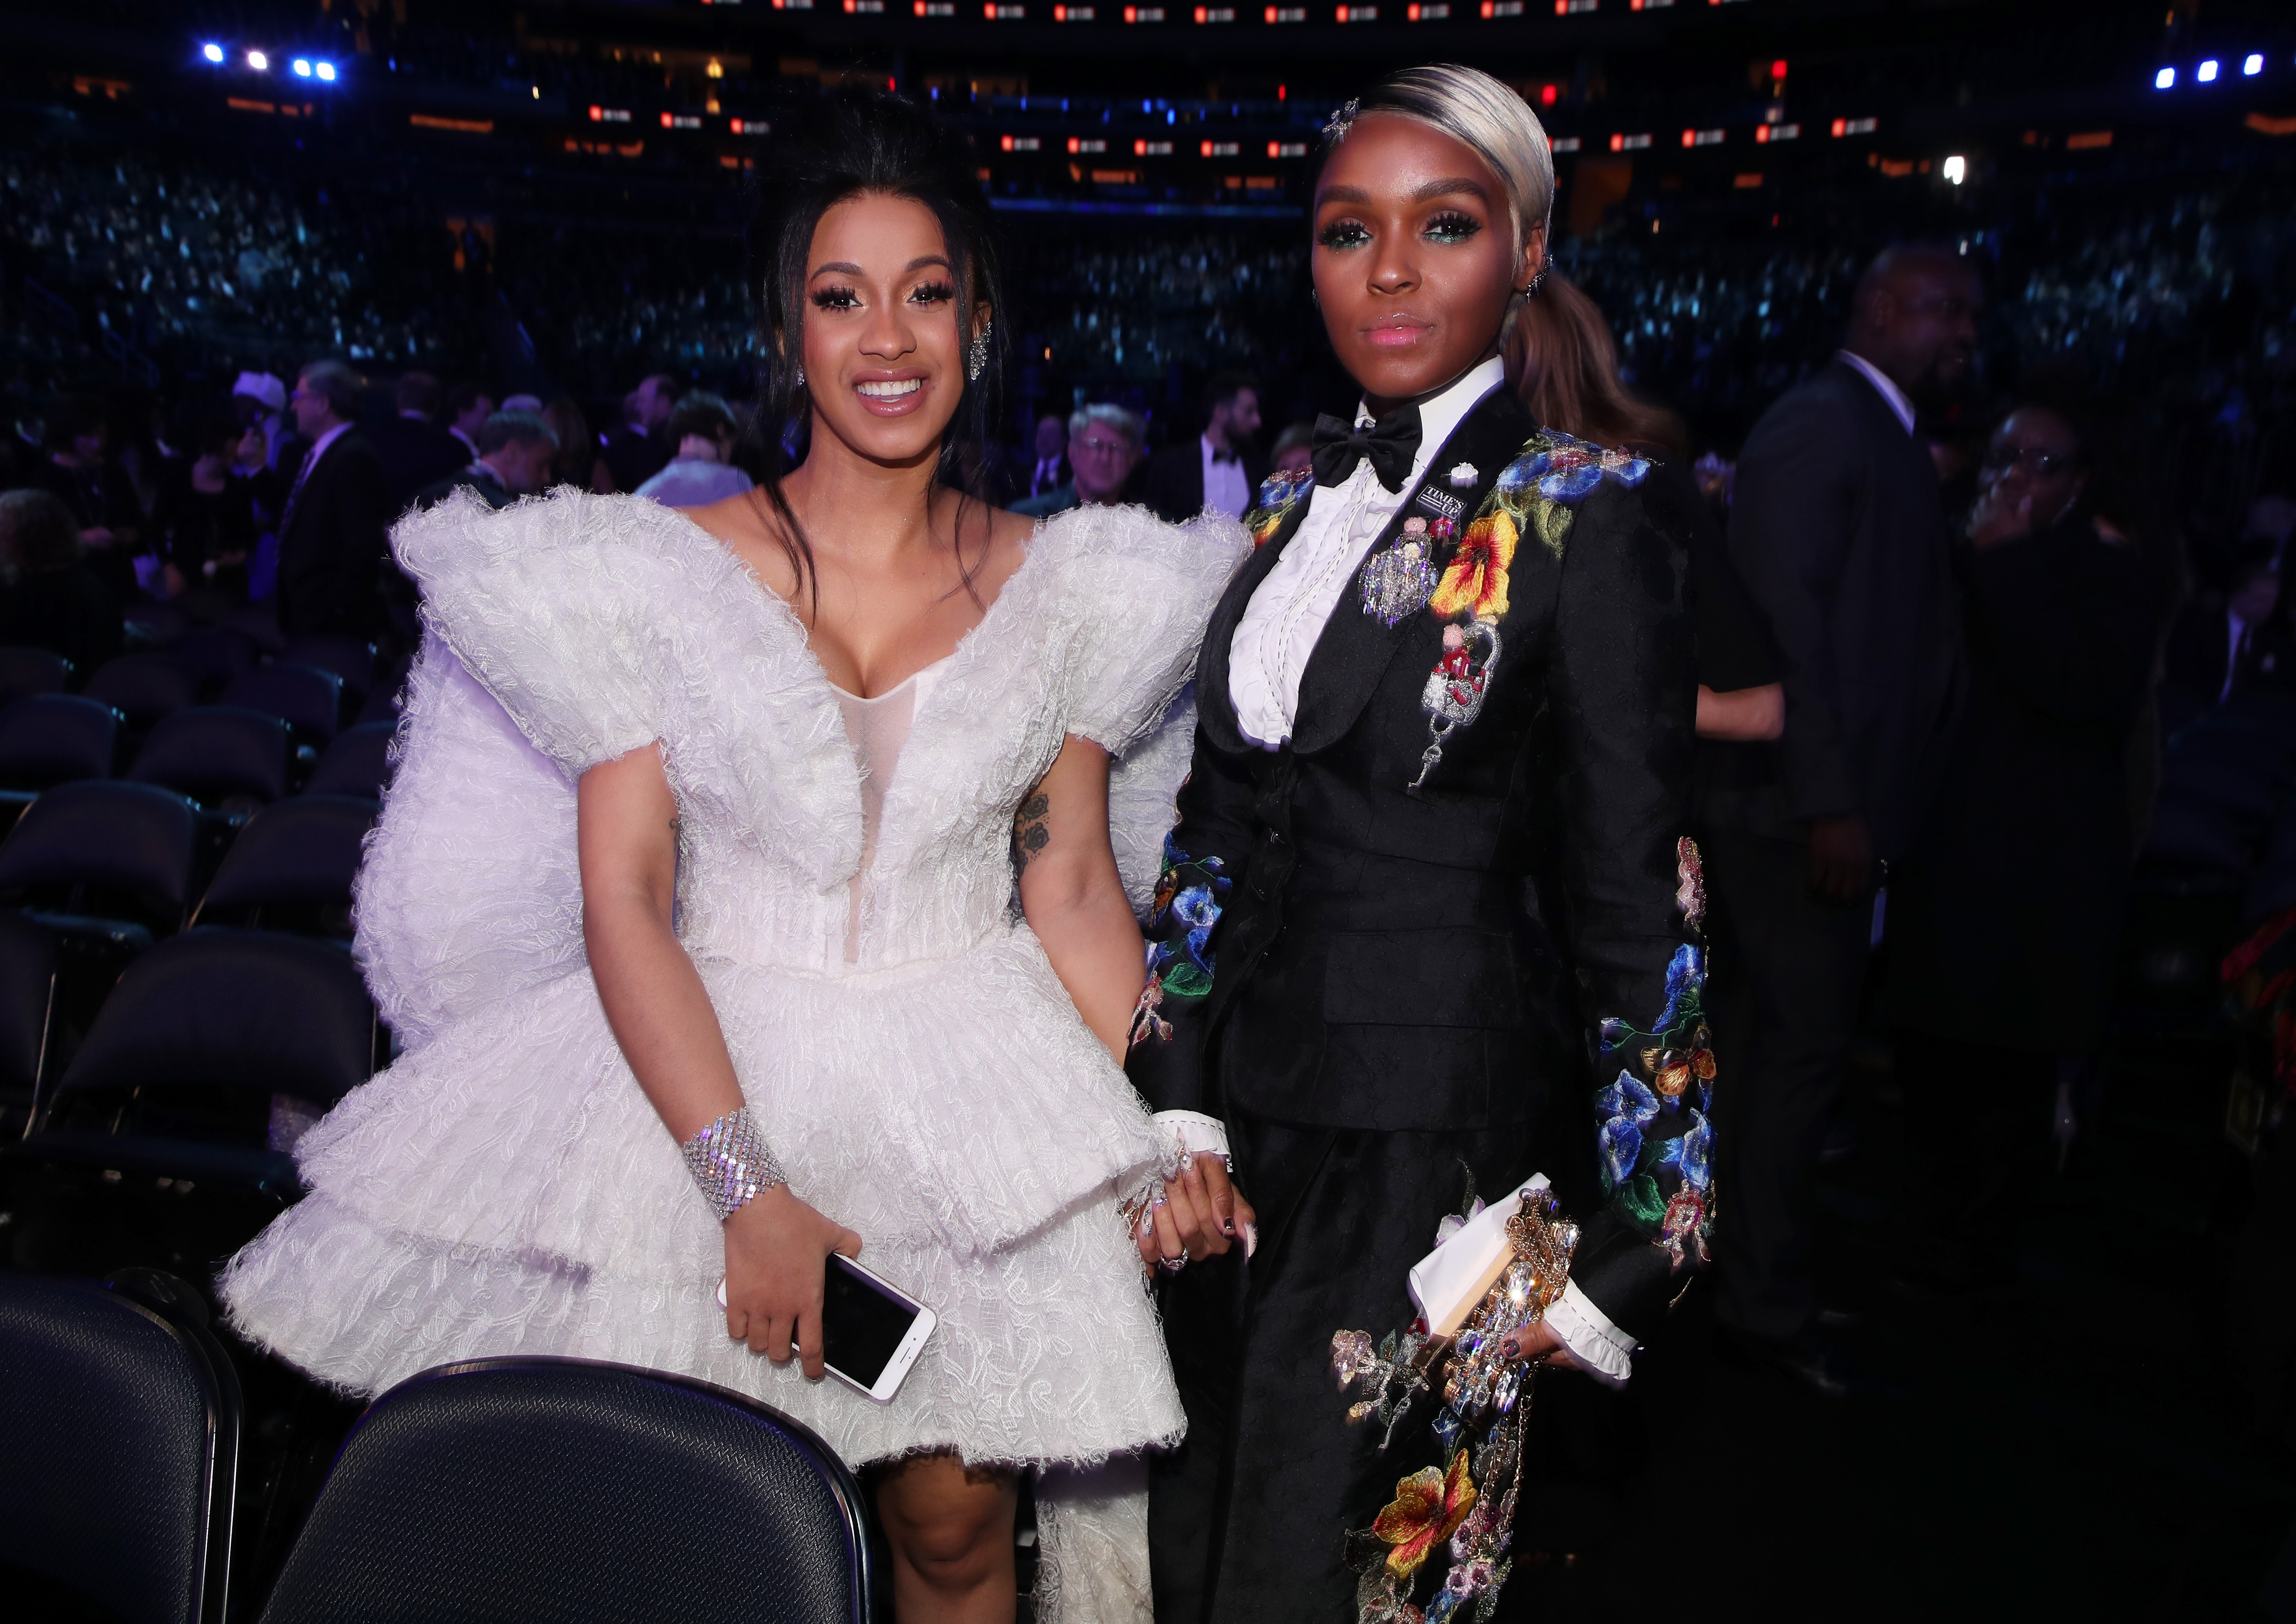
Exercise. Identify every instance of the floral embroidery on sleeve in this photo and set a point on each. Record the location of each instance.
(1187, 905)
(1655, 1141)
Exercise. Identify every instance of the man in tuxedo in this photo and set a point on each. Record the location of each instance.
(2229, 644)
(415, 448)
(642, 445)
(1052, 440)
(1837, 529)
(513, 461)
(469, 404)
(1219, 469)
(332, 538)
(1103, 444)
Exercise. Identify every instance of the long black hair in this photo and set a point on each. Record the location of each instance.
(856, 142)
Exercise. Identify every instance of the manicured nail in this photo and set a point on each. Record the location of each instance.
(1250, 1240)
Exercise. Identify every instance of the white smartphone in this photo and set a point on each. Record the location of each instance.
(871, 1330)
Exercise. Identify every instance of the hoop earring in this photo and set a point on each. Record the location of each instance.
(976, 361)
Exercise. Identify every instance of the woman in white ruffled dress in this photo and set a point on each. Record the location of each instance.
(702, 855)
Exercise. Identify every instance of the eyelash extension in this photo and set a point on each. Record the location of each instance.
(835, 298)
(1453, 227)
(931, 292)
(1342, 233)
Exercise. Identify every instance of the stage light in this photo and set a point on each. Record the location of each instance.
(325, 70)
(2207, 72)
(258, 62)
(1956, 169)
(302, 68)
(2166, 79)
(2252, 64)
(213, 53)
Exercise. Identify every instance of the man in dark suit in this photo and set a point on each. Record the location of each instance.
(1104, 447)
(2228, 645)
(513, 461)
(1838, 532)
(1219, 469)
(414, 448)
(332, 538)
(642, 445)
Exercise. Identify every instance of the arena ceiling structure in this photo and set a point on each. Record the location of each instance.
(1654, 106)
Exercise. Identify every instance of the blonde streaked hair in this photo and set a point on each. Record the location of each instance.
(1481, 113)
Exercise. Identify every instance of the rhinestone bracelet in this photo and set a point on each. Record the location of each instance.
(730, 1162)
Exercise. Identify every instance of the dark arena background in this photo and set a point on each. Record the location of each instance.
(549, 200)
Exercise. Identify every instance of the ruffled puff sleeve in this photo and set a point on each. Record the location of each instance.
(1136, 593)
(564, 608)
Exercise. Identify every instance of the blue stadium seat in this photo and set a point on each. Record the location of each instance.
(347, 658)
(120, 1428)
(54, 738)
(180, 1072)
(25, 670)
(555, 1491)
(118, 856)
(291, 868)
(213, 655)
(306, 699)
(27, 1007)
(358, 763)
(143, 688)
(218, 755)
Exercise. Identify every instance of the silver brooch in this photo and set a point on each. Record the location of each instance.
(1463, 475)
(1399, 582)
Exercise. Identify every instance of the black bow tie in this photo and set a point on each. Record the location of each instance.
(1390, 443)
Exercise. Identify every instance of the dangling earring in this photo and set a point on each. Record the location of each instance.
(1539, 279)
(801, 374)
(977, 361)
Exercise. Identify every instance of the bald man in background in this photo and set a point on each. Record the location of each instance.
(1839, 530)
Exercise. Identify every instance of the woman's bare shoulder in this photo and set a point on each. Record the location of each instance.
(747, 527)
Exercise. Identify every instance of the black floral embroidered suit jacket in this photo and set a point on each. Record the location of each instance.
(1336, 949)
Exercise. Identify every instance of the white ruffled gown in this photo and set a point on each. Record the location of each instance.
(504, 1187)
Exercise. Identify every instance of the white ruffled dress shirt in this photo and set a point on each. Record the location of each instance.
(1278, 632)
(1287, 614)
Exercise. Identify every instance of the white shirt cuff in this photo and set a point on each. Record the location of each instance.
(1602, 1349)
(1198, 1133)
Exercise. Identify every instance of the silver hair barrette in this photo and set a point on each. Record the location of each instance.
(1336, 130)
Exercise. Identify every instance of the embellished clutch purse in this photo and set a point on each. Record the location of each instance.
(1488, 1278)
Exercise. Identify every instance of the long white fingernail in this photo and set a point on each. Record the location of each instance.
(1250, 1241)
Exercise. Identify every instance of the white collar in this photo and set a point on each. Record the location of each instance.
(1882, 381)
(319, 446)
(1441, 414)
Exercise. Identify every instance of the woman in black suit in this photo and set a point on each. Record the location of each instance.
(1422, 904)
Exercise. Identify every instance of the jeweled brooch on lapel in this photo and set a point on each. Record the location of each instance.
(1399, 580)
(1537, 493)
(1279, 493)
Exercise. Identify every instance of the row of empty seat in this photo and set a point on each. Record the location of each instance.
(534, 1489)
(224, 756)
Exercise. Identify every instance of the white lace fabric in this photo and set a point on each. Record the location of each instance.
(919, 1070)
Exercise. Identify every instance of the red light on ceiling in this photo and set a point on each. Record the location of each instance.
(1279, 93)
(664, 120)
(1761, 133)
(1547, 96)
(1778, 69)
(596, 114)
